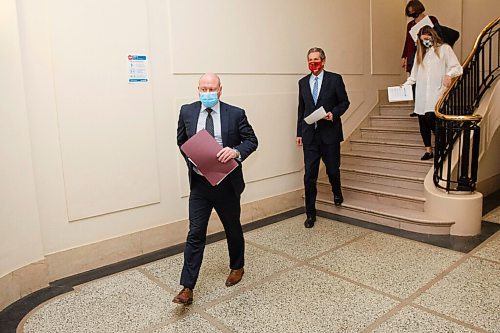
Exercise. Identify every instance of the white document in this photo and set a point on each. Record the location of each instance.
(400, 93)
(315, 116)
(416, 28)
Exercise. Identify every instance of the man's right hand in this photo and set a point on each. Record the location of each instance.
(299, 141)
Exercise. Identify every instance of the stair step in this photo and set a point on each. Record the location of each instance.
(398, 105)
(409, 148)
(386, 160)
(395, 217)
(383, 176)
(377, 193)
(394, 121)
(385, 171)
(402, 110)
(394, 134)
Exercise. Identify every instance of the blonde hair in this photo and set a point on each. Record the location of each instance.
(421, 49)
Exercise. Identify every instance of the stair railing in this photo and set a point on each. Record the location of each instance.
(455, 118)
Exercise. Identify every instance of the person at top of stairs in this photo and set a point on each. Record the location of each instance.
(416, 10)
(434, 66)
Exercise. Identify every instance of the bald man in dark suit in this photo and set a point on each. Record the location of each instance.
(230, 127)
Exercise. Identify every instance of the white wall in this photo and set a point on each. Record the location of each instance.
(96, 158)
(20, 242)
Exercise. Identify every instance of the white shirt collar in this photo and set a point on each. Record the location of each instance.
(320, 75)
(215, 108)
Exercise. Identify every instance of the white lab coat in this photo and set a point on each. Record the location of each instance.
(429, 77)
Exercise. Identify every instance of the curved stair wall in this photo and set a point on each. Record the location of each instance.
(466, 208)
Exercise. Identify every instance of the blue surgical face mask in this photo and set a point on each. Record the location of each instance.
(427, 43)
(209, 99)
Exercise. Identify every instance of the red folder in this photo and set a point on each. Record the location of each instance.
(202, 150)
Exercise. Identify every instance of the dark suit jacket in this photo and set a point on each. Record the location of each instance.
(236, 133)
(333, 98)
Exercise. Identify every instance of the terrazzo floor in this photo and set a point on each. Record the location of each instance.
(334, 277)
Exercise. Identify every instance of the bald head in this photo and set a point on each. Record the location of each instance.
(209, 82)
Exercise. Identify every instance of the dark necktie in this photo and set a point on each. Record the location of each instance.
(209, 123)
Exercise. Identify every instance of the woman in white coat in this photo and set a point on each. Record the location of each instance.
(434, 65)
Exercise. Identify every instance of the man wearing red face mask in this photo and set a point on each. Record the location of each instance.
(322, 139)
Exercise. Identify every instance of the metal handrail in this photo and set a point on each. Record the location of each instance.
(455, 80)
(456, 121)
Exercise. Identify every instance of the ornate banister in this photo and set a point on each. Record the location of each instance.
(457, 127)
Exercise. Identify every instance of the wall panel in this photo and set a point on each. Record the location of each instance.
(387, 35)
(106, 125)
(255, 37)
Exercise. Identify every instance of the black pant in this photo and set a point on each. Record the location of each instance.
(331, 157)
(427, 123)
(202, 199)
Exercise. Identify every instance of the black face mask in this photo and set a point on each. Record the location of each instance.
(414, 15)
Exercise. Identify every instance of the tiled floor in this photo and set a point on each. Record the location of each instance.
(334, 277)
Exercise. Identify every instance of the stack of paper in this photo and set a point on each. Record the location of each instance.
(416, 28)
(400, 93)
(315, 116)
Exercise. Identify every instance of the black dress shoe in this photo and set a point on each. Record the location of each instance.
(338, 200)
(427, 156)
(413, 114)
(309, 222)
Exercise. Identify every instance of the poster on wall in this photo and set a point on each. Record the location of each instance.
(137, 68)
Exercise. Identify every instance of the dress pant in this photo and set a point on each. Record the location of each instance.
(427, 123)
(226, 202)
(330, 154)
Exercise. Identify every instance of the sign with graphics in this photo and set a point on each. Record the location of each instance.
(137, 68)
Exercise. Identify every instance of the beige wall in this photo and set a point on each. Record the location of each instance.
(91, 159)
(450, 14)
(20, 242)
(469, 17)
(489, 164)
(103, 152)
(476, 15)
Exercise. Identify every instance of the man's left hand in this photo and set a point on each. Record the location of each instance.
(329, 116)
(226, 154)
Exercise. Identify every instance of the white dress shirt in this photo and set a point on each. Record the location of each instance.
(216, 118)
(320, 81)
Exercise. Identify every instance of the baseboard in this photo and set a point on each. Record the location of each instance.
(55, 266)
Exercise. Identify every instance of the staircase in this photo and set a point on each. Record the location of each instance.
(382, 174)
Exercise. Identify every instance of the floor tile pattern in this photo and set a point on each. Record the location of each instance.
(411, 320)
(493, 216)
(334, 277)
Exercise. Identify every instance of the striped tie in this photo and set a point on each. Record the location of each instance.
(315, 90)
(209, 123)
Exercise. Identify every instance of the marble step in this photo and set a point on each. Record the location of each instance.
(377, 193)
(394, 122)
(383, 176)
(387, 215)
(393, 134)
(409, 148)
(402, 110)
(386, 160)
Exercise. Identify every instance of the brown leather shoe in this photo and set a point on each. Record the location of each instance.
(185, 296)
(234, 277)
